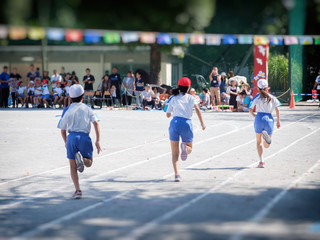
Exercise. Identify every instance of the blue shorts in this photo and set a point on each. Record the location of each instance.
(181, 127)
(79, 142)
(264, 121)
(46, 96)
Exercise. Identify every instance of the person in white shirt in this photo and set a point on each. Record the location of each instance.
(205, 104)
(317, 86)
(57, 95)
(56, 77)
(67, 99)
(30, 93)
(265, 104)
(21, 90)
(45, 93)
(181, 105)
(37, 94)
(76, 119)
(147, 96)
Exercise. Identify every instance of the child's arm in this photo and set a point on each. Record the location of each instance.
(196, 107)
(252, 113)
(278, 117)
(64, 136)
(97, 129)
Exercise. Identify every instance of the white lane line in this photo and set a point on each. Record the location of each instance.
(149, 226)
(140, 231)
(264, 211)
(28, 199)
(98, 157)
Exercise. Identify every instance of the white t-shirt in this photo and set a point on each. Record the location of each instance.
(54, 79)
(30, 90)
(233, 88)
(318, 82)
(38, 91)
(45, 90)
(206, 98)
(67, 88)
(58, 91)
(77, 118)
(263, 105)
(147, 95)
(21, 90)
(182, 105)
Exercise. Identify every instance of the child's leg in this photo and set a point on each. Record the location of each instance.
(88, 161)
(55, 100)
(175, 155)
(65, 102)
(259, 144)
(265, 144)
(74, 174)
(189, 147)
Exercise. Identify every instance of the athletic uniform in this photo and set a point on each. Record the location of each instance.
(57, 92)
(21, 91)
(181, 124)
(45, 92)
(264, 119)
(77, 119)
(38, 92)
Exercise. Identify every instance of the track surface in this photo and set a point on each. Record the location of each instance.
(129, 191)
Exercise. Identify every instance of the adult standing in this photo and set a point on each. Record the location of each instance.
(15, 74)
(32, 74)
(233, 91)
(128, 83)
(116, 81)
(223, 83)
(88, 81)
(45, 76)
(74, 78)
(55, 78)
(215, 81)
(4, 79)
(139, 88)
(317, 85)
(62, 73)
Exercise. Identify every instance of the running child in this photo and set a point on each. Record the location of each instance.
(181, 107)
(263, 123)
(77, 119)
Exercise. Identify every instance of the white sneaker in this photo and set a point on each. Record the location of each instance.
(177, 178)
(266, 137)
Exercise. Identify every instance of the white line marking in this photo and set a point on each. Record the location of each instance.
(264, 211)
(138, 232)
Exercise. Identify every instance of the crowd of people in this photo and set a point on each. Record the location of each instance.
(43, 91)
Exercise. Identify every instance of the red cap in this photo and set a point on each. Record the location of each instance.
(19, 83)
(37, 81)
(44, 81)
(185, 82)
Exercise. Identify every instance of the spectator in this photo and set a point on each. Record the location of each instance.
(243, 102)
(215, 81)
(62, 73)
(21, 94)
(104, 85)
(246, 87)
(66, 79)
(30, 92)
(193, 93)
(316, 86)
(38, 72)
(32, 74)
(225, 98)
(57, 95)
(156, 98)
(139, 88)
(205, 104)
(224, 83)
(113, 94)
(37, 94)
(45, 93)
(116, 81)
(74, 78)
(88, 81)
(14, 85)
(128, 83)
(15, 74)
(67, 99)
(230, 75)
(55, 78)
(147, 96)
(45, 76)
(4, 79)
(233, 93)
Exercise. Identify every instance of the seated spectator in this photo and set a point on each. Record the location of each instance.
(57, 95)
(156, 98)
(163, 97)
(45, 93)
(128, 84)
(243, 102)
(113, 94)
(104, 85)
(67, 99)
(14, 85)
(21, 94)
(74, 78)
(193, 93)
(30, 92)
(233, 91)
(147, 95)
(225, 98)
(205, 103)
(37, 94)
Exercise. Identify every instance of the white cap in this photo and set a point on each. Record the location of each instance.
(262, 84)
(31, 82)
(192, 90)
(76, 90)
(223, 74)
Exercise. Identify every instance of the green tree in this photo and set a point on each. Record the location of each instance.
(278, 72)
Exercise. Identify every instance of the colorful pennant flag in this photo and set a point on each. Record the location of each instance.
(55, 34)
(164, 38)
(229, 39)
(245, 39)
(290, 40)
(261, 40)
(92, 36)
(306, 40)
(276, 40)
(317, 40)
(3, 32)
(128, 37)
(74, 35)
(197, 38)
(180, 38)
(111, 37)
(213, 40)
(147, 37)
(17, 33)
(36, 33)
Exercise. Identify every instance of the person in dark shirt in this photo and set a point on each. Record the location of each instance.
(45, 76)
(62, 73)
(32, 74)
(15, 74)
(88, 81)
(74, 78)
(116, 81)
(4, 79)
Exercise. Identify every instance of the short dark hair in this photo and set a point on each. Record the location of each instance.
(115, 67)
(243, 93)
(180, 89)
(206, 90)
(77, 99)
(5, 67)
(87, 69)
